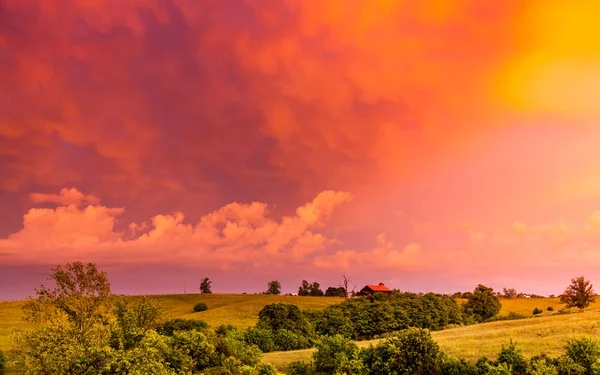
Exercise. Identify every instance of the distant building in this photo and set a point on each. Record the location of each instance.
(373, 289)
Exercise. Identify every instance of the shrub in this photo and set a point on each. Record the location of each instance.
(511, 355)
(299, 368)
(550, 308)
(167, 328)
(2, 361)
(583, 351)
(537, 311)
(263, 338)
(413, 352)
(201, 306)
(278, 316)
(500, 369)
(566, 366)
(265, 369)
(455, 366)
(333, 353)
(541, 367)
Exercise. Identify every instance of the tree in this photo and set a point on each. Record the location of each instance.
(346, 281)
(509, 293)
(82, 293)
(483, 304)
(205, 286)
(579, 294)
(310, 289)
(273, 287)
(335, 292)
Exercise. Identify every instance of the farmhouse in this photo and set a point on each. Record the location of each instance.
(373, 289)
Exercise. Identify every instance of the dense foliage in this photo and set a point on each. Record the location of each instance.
(483, 304)
(310, 289)
(370, 316)
(335, 292)
(83, 329)
(200, 306)
(414, 352)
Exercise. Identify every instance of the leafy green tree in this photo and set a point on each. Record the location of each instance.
(133, 319)
(338, 355)
(82, 294)
(273, 287)
(412, 352)
(278, 316)
(483, 303)
(335, 292)
(579, 293)
(310, 289)
(205, 286)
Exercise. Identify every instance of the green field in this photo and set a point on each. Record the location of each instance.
(546, 334)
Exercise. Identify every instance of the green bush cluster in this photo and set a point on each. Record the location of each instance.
(281, 327)
(372, 316)
(200, 306)
(537, 311)
(414, 352)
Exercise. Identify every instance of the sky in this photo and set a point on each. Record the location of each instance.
(431, 145)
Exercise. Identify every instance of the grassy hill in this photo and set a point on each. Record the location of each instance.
(535, 336)
(238, 309)
(538, 335)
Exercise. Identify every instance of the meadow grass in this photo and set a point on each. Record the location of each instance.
(534, 336)
(547, 334)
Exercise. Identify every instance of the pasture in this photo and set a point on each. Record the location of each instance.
(534, 336)
(545, 334)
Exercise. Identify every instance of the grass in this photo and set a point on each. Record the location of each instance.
(240, 310)
(534, 336)
(546, 334)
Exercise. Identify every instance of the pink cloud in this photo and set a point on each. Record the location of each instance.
(233, 234)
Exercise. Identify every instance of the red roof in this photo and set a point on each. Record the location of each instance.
(379, 288)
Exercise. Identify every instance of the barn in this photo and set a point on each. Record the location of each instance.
(369, 290)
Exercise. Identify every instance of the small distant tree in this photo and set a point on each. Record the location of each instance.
(335, 292)
(310, 289)
(346, 282)
(509, 293)
(273, 287)
(205, 286)
(579, 294)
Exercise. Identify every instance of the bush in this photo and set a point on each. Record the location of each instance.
(333, 353)
(263, 338)
(2, 361)
(455, 366)
(583, 351)
(500, 369)
(299, 368)
(550, 308)
(413, 352)
(201, 306)
(537, 311)
(167, 328)
(511, 356)
(541, 367)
